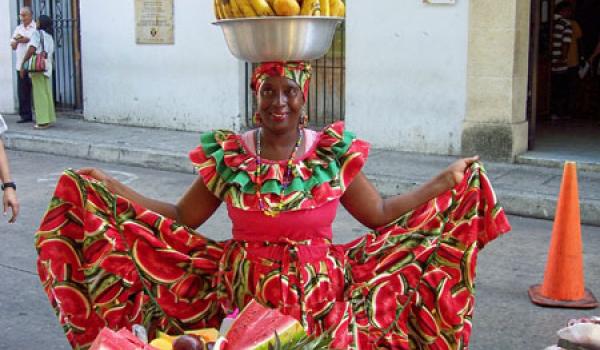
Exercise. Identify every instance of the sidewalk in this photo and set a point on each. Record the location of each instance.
(522, 189)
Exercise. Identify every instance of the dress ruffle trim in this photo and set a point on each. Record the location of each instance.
(320, 176)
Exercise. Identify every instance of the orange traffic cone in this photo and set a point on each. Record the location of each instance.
(564, 284)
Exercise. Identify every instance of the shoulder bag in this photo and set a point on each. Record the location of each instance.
(37, 62)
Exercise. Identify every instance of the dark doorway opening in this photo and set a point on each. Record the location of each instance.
(557, 129)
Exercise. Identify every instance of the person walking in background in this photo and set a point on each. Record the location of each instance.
(19, 43)
(41, 41)
(565, 61)
(9, 189)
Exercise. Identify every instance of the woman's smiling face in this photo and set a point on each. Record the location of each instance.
(280, 104)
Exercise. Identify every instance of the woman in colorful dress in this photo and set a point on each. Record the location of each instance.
(109, 256)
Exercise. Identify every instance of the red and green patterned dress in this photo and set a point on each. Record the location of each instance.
(106, 261)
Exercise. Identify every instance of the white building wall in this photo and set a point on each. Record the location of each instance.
(191, 85)
(8, 73)
(406, 73)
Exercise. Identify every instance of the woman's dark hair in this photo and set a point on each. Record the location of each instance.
(45, 24)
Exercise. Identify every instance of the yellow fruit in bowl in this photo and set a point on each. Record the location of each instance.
(236, 11)
(326, 7)
(337, 9)
(262, 8)
(286, 7)
(310, 8)
(341, 10)
(245, 7)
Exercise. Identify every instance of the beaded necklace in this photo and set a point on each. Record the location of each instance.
(287, 178)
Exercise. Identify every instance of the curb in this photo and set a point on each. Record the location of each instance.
(147, 158)
(556, 163)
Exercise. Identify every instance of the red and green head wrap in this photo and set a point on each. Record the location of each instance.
(299, 72)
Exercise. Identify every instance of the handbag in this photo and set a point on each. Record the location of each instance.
(37, 62)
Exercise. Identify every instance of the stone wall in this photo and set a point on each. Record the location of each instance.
(496, 123)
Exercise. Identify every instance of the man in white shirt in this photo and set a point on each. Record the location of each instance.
(19, 43)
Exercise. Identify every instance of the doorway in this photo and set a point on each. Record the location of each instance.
(66, 77)
(564, 123)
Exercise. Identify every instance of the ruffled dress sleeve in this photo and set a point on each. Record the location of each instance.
(229, 171)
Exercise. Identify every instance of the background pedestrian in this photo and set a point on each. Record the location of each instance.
(42, 43)
(19, 43)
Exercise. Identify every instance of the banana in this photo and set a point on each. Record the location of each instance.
(326, 7)
(218, 13)
(341, 12)
(246, 8)
(286, 7)
(235, 9)
(226, 9)
(333, 7)
(262, 8)
(310, 8)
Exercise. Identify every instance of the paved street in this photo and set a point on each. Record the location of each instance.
(504, 317)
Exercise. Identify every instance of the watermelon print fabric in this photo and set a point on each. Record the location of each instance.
(318, 177)
(106, 261)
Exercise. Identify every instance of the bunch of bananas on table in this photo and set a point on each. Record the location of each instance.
(226, 9)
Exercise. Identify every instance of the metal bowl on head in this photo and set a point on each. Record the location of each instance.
(279, 38)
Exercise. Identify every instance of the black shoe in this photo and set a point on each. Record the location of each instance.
(21, 121)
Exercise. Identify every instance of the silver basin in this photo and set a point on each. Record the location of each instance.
(279, 38)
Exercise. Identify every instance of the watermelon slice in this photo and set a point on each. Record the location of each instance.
(255, 328)
(108, 339)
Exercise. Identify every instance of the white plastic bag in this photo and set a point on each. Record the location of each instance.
(586, 335)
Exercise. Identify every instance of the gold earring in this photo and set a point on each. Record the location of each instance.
(305, 121)
(256, 119)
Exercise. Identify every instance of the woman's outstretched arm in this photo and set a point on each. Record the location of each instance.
(365, 204)
(195, 206)
(9, 197)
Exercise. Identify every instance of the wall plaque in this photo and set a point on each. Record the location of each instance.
(154, 22)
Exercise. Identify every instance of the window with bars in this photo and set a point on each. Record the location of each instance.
(326, 100)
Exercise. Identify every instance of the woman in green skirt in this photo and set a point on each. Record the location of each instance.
(41, 42)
